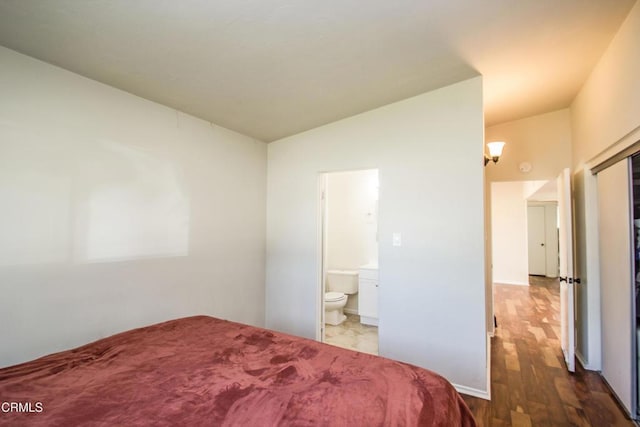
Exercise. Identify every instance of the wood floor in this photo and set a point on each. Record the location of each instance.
(529, 383)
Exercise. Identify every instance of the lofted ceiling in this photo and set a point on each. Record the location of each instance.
(273, 68)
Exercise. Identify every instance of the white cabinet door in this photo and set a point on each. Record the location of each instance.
(368, 299)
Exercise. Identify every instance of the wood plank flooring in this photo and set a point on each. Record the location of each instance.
(529, 383)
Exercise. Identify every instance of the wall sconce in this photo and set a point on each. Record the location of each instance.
(495, 151)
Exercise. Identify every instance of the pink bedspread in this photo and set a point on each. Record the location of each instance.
(206, 371)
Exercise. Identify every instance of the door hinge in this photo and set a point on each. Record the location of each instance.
(570, 280)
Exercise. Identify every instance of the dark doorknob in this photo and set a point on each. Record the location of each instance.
(541, 244)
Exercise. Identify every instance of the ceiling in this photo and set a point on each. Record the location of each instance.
(547, 192)
(273, 68)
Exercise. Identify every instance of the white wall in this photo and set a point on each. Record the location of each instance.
(116, 212)
(509, 233)
(428, 150)
(352, 223)
(608, 105)
(605, 117)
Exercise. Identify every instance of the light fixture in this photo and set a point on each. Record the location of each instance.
(495, 151)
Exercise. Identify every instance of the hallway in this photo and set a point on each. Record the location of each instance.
(529, 383)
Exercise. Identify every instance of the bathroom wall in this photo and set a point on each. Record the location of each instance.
(352, 222)
(117, 212)
(428, 150)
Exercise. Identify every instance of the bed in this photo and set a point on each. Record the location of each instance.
(207, 371)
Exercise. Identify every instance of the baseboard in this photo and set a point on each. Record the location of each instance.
(613, 394)
(350, 311)
(489, 367)
(482, 394)
(584, 364)
(611, 391)
(508, 282)
(371, 321)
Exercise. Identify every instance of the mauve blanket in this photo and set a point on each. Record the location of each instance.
(206, 371)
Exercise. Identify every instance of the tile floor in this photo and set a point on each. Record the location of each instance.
(353, 335)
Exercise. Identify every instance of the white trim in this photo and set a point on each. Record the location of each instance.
(482, 394)
(350, 311)
(592, 243)
(592, 270)
(620, 145)
(320, 269)
(489, 366)
(509, 282)
(371, 321)
(582, 362)
(617, 399)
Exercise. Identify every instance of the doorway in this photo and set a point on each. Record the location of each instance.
(349, 290)
(542, 238)
(511, 235)
(526, 235)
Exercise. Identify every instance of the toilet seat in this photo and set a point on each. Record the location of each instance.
(333, 296)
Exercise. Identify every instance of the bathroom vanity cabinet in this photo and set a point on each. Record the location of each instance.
(368, 295)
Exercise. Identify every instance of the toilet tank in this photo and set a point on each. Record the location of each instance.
(345, 281)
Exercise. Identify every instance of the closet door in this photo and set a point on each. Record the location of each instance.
(536, 230)
(616, 279)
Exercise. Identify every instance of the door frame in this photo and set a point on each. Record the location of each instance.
(322, 196)
(321, 236)
(590, 258)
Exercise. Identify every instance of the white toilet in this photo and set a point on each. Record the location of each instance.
(340, 284)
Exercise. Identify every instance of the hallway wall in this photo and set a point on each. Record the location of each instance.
(509, 233)
(605, 118)
(544, 141)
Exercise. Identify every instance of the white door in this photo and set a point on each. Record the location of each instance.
(616, 279)
(536, 237)
(567, 301)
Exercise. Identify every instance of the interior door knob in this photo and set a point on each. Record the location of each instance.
(541, 244)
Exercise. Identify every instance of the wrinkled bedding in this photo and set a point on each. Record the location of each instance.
(206, 371)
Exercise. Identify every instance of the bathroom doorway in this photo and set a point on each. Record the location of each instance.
(348, 312)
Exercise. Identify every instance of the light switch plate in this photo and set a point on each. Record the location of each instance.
(397, 239)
